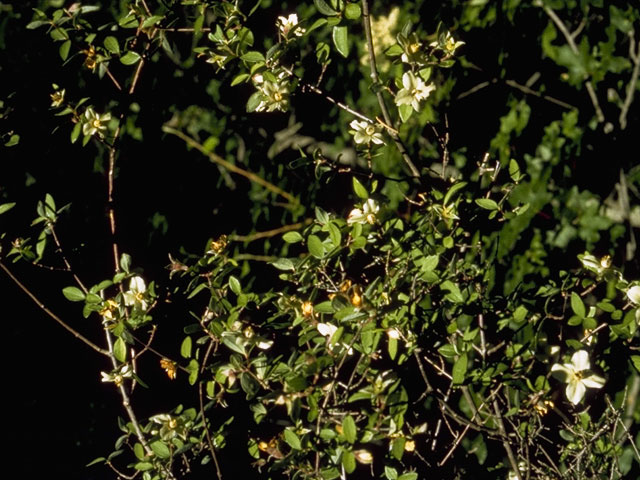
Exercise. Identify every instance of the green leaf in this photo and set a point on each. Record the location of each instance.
(577, 306)
(317, 24)
(292, 439)
(143, 466)
(452, 191)
(459, 369)
(5, 207)
(348, 461)
(349, 429)
(64, 49)
(239, 79)
(193, 368)
(359, 189)
(73, 294)
(487, 203)
(315, 246)
(341, 40)
(391, 473)
(253, 57)
(138, 450)
(514, 171)
(111, 44)
(160, 449)
(292, 237)
(151, 21)
(635, 359)
(185, 348)
(283, 264)
(405, 112)
(454, 294)
(323, 7)
(408, 476)
(120, 350)
(352, 11)
(397, 447)
(130, 58)
(234, 285)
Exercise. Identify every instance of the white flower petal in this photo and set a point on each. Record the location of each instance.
(633, 294)
(593, 381)
(326, 329)
(575, 391)
(580, 360)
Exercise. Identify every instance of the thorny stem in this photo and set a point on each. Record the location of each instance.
(35, 299)
(574, 48)
(366, 21)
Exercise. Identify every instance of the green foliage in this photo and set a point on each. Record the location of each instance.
(409, 300)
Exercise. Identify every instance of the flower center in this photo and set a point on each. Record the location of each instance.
(414, 47)
(96, 123)
(370, 130)
(277, 96)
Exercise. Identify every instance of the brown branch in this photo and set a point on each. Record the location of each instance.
(229, 166)
(75, 333)
(269, 233)
(366, 21)
(111, 213)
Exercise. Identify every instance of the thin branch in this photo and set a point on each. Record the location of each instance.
(574, 48)
(505, 440)
(76, 334)
(631, 86)
(229, 166)
(269, 233)
(56, 240)
(366, 21)
(111, 213)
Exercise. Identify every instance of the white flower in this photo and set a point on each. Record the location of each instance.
(94, 122)
(576, 376)
(327, 330)
(633, 294)
(118, 376)
(365, 132)
(393, 333)
(448, 43)
(414, 91)
(57, 98)
(276, 97)
(289, 24)
(135, 296)
(367, 215)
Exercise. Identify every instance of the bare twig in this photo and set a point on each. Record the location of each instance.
(75, 333)
(505, 440)
(270, 233)
(229, 166)
(64, 258)
(366, 21)
(631, 86)
(574, 48)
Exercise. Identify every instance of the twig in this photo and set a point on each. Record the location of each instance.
(208, 433)
(366, 21)
(64, 258)
(112, 216)
(75, 333)
(269, 233)
(631, 86)
(229, 166)
(574, 48)
(505, 440)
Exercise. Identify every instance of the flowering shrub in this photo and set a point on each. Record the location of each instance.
(411, 300)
